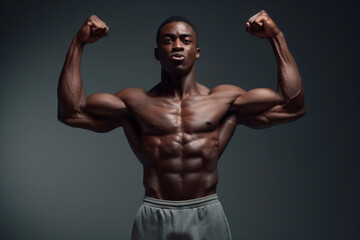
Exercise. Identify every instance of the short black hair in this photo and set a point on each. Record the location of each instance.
(176, 18)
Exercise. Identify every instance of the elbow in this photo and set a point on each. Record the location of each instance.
(60, 115)
(298, 109)
(301, 108)
(65, 120)
(296, 105)
(65, 116)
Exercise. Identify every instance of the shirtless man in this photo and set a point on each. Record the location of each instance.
(179, 129)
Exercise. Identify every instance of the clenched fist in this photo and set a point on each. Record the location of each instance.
(261, 25)
(92, 30)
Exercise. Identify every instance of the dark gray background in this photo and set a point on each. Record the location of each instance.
(295, 181)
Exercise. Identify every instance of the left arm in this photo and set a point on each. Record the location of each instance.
(262, 107)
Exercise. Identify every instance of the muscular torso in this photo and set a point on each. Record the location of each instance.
(178, 141)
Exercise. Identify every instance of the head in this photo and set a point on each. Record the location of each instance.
(177, 18)
(177, 45)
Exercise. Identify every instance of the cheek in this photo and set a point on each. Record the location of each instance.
(163, 51)
(163, 56)
(192, 54)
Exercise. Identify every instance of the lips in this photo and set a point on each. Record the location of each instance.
(177, 57)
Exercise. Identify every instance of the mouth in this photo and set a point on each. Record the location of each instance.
(177, 57)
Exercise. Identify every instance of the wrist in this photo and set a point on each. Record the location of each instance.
(77, 42)
(276, 35)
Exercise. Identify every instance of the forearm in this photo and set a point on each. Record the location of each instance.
(289, 79)
(71, 95)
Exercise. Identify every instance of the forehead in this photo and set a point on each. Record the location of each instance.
(177, 28)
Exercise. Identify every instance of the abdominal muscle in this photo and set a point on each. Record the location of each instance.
(180, 166)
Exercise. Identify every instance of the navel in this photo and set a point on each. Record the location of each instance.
(208, 122)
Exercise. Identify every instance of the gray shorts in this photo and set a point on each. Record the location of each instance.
(195, 219)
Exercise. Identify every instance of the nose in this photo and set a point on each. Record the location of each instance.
(177, 45)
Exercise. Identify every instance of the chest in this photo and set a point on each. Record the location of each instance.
(192, 115)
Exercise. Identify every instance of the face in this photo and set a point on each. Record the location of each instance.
(177, 49)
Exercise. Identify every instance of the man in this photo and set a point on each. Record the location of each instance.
(179, 129)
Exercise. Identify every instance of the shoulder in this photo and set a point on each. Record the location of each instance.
(124, 93)
(203, 89)
(227, 89)
(132, 96)
(155, 91)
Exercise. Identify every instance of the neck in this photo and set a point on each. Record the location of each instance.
(178, 85)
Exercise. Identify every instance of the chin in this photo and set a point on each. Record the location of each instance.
(178, 69)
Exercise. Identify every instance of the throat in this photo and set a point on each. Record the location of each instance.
(178, 86)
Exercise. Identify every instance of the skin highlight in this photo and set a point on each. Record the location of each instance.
(179, 129)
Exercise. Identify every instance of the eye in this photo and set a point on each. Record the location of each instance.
(186, 41)
(168, 40)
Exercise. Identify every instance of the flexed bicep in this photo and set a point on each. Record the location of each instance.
(101, 112)
(261, 107)
(105, 104)
(277, 114)
(92, 122)
(256, 100)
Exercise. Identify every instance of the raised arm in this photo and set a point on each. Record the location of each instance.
(100, 112)
(261, 108)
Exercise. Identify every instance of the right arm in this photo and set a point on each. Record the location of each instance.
(100, 112)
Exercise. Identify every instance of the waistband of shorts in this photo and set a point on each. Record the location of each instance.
(191, 203)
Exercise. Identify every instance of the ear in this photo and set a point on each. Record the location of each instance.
(197, 53)
(156, 54)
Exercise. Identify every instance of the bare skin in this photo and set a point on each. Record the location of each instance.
(179, 129)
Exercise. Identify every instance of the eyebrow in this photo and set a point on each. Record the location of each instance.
(173, 35)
